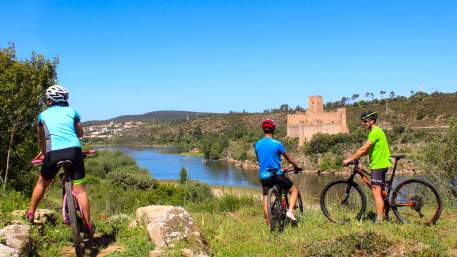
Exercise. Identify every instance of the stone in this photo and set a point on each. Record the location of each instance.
(186, 252)
(42, 216)
(155, 253)
(6, 251)
(17, 237)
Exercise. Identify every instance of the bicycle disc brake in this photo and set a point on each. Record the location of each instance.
(418, 204)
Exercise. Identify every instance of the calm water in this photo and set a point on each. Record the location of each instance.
(162, 163)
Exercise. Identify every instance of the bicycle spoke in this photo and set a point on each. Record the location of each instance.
(343, 203)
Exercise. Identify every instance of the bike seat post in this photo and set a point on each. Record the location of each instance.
(65, 164)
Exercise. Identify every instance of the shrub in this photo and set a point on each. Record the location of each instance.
(183, 175)
(132, 180)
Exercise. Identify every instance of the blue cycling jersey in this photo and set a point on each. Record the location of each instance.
(58, 123)
(269, 153)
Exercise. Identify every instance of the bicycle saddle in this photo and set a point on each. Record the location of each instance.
(398, 156)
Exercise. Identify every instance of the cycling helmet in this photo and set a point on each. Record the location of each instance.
(57, 93)
(268, 125)
(368, 116)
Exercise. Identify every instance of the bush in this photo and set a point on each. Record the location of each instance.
(183, 175)
(440, 157)
(131, 180)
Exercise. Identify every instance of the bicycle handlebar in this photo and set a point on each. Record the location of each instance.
(39, 159)
(296, 171)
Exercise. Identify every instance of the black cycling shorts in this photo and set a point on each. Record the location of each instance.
(281, 180)
(378, 176)
(76, 170)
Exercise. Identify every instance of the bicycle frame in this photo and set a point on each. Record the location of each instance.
(386, 186)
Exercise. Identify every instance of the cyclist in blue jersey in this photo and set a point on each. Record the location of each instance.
(59, 130)
(269, 152)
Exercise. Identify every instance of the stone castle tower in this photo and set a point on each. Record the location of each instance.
(315, 120)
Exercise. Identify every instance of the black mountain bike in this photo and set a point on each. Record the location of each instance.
(278, 204)
(73, 214)
(413, 200)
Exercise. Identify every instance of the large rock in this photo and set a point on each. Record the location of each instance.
(6, 251)
(166, 224)
(17, 237)
(42, 216)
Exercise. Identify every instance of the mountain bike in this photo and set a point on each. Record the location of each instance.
(73, 214)
(413, 200)
(278, 204)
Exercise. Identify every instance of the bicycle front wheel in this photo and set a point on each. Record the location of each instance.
(71, 208)
(416, 201)
(342, 201)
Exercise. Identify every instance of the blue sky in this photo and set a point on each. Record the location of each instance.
(129, 57)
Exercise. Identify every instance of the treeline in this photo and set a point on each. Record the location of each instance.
(22, 87)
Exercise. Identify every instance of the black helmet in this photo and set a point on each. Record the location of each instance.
(369, 116)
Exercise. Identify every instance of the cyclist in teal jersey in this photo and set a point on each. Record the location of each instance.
(377, 148)
(269, 151)
(59, 130)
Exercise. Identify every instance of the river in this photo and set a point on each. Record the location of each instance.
(164, 164)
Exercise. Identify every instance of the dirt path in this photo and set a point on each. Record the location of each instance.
(100, 246)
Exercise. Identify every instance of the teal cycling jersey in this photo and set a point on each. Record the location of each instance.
(269, 153)
(58, 123)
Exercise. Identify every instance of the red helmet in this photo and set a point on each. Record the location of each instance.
(268, 124)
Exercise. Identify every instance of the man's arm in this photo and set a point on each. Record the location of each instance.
(41, 139)
(79, 129)
(289, 159)
(359, 153)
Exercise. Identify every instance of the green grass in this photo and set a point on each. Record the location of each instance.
(244, 233)
(193, 154)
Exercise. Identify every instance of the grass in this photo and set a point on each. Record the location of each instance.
(193, 154)
(244, 233)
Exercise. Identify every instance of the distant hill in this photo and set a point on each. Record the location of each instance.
(156, 116)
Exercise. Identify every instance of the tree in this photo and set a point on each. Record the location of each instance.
(183, 175)
(372, 96)
(354, 97)
(344, 100)
(22, 87)
(367, 94)
(299, 109)
(392, 94)
(284, 108)
(382, 93)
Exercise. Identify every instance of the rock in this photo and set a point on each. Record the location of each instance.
(166, 224)
(186, 252)
(155, 253)
(172, 223)
(17, 237)
(42, 216)
(6, 251)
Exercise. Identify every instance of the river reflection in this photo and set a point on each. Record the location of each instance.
(164, 164)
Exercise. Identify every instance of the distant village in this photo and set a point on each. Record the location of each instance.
(110, 129)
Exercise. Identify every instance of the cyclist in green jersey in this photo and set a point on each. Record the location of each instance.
(377, 149)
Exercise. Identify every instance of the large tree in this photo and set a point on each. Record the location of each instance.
(22, 86)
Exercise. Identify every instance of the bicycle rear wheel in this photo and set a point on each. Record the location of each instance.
(73, 215)
(274, 208)
(416, 201)
(342, 201)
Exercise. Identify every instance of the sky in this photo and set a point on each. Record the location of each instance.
(132, 57)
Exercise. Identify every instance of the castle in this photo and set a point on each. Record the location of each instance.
(315, 120)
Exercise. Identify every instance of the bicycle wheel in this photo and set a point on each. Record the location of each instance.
(299, 207)
(71, 208)
(416, 201)
(274, 208)
(342, 201)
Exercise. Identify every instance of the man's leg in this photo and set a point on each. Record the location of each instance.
(265, 209)
(379, 201)
(293, 195)
(38, 193)
(83, 200)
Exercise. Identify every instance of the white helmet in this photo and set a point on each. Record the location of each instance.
(57, 93)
